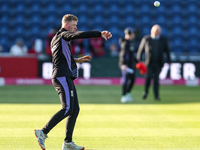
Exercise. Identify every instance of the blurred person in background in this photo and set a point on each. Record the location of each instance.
(127, 63)
(114, 50)
(50, 35)
(96, 46)
(77, 47)
(64, 72)
(36, 47)
(19, 49)
(1, 49)
(154, 46)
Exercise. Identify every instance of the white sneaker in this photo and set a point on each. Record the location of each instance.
(41, 138)
(71, 146)
(129, 97)
(124, 99)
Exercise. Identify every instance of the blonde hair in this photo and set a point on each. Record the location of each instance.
(68, 18)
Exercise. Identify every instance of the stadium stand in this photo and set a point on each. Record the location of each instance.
(29, 19)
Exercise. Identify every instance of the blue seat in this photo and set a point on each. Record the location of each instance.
(115, 31)
(177, 20)
(19, 31)
(4, 30)
(193, 32)
(128, 8)
(19, 20)
(114, 19)
(177, 31)
(65, 9)
(51, 9)
(83, 28)
(82, 20)
(176, 9)
(98, 28)
(4, 41)
(35, 8)
(51, 20)
(146, 20)
(5, 8)
(193, 20)
(98, 19)
(4, 20)
(192, 8)
(161, 20)
(145, 9)
(114, 9)
(35, 32)
(96, 8)
(193, 42)
(36, 20)
(178, 42)
(130, 20)
(82, 8)
(20, 8)
(146, 30)
(161, 10)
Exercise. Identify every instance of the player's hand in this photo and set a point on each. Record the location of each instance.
(123, 67)
(83, 59)
(106, 35)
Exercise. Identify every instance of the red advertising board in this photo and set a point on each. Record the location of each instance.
(18, 66)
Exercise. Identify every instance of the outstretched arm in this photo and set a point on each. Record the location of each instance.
(83, 59)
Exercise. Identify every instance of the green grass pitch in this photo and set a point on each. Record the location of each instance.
(103, 123)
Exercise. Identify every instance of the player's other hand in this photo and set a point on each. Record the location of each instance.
(106, 35)
(82, 59)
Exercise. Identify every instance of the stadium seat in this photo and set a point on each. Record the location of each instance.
(5, 8)
(35, 9)
(51, 9)
(145, 9)
(5, 43)
(4, 20)
(115, 31)
(19, 20)
(193, 20)
(82, 8)
(145, 21)
(35, 32)
(83, 20)
(161, 10)
(20, 8)
(114, 19)
(65, 9)
(35, 20)
(4, 30)
(161, 20)
(19, 31)
(145, 30)
(177, 31)
(176, 9)
(97, 8)
(114, 9)
(193, 43)
(178, 42)
(177, 21)
(51, 20)
(193, 32)
(129, 8)
(130, 21)
(192, 8)
(99, 19)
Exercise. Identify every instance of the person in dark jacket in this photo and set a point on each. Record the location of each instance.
(127, 63)
(64, 72)
(154, 46)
